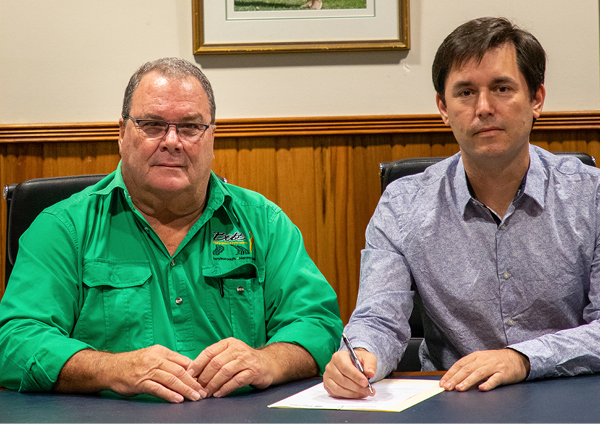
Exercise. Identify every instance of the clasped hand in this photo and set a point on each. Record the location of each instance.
(230, 364)
(158, 371)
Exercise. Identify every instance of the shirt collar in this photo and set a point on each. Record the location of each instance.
(463, 195)
(532, 185)
(536, 177)
(218, 195)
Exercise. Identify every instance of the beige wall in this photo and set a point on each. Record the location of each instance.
(69, 60)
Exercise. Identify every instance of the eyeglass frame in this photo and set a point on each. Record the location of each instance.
(169, 124)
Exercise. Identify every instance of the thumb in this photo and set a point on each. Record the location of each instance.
(369, 363)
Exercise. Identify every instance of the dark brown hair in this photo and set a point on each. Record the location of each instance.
(473, 39)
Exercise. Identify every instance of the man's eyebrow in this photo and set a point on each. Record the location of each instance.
(461, 84)
(503, 80)
(190, 118)
(152, 116)
(499, 80)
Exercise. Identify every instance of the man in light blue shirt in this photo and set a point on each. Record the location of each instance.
(500, 240)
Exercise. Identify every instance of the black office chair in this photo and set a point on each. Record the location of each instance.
(26, 200)
(390, 171)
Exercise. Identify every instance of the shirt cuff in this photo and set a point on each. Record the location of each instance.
(538, 356)
(316, 340)
(43, 368)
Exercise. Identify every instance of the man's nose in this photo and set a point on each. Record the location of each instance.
(485, 105)
(171, 139)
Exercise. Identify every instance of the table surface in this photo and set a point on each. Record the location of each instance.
(554, 400)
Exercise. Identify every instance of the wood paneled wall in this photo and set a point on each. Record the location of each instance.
(323, 172)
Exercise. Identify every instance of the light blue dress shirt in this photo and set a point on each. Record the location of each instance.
(530, 282)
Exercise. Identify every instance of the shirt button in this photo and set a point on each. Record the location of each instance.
(511, 321)
(179, 301)
(240, 290)
(147, 229)
(506, 275)
(172, 262)
(503, 227)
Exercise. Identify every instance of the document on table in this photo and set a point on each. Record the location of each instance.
(392, 395)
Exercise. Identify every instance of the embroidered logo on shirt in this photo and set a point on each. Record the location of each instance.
(237, 241)
(222, 236)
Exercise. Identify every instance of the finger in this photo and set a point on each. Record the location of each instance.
(241, 379)
(447, 379)
(198, 365)
(347, 369)
(227, 372)
(334, 374)
(472, 375)
(492, 382)
(338, 391)
(179, 359)
(175, 378)
(369, 363)
(457, 372)
(153, 388)
(216, 366)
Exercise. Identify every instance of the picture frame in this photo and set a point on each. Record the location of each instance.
(219, 29)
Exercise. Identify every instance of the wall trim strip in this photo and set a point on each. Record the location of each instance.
(392, 124)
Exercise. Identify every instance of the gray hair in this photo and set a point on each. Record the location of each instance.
(170, 67)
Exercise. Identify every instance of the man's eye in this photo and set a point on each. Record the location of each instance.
(503, 89)
(153, 124)
(465, 93)
(189, 127)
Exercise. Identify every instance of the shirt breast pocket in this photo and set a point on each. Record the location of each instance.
(247, 310)
(116, 314)
(238, 307)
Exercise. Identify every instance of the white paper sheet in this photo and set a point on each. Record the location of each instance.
(393, 395)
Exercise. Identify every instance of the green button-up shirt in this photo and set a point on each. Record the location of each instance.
(92, 273)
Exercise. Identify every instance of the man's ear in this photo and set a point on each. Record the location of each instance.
(122, 124)
(538, 101)
(442, 108)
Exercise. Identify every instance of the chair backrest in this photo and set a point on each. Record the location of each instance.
(25, 201)
(390, 171)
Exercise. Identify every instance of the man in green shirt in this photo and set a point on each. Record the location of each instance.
(161, 279)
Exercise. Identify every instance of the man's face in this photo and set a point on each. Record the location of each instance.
(488, 106)
(169, 164)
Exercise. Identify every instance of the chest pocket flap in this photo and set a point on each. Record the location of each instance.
(121, 274)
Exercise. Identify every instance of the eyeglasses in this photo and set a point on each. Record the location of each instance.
(155, 129)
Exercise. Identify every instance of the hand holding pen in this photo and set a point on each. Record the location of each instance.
(355, 360)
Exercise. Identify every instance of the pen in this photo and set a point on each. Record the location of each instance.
(355, 359)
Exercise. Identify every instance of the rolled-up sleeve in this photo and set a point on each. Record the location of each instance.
(301, 306)
(39, 308)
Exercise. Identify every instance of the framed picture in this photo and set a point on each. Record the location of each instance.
(277, 26)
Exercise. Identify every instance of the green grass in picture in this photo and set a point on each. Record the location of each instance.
(253, 5)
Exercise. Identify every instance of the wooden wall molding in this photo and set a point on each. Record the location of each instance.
(68, 132)
(274, 127)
